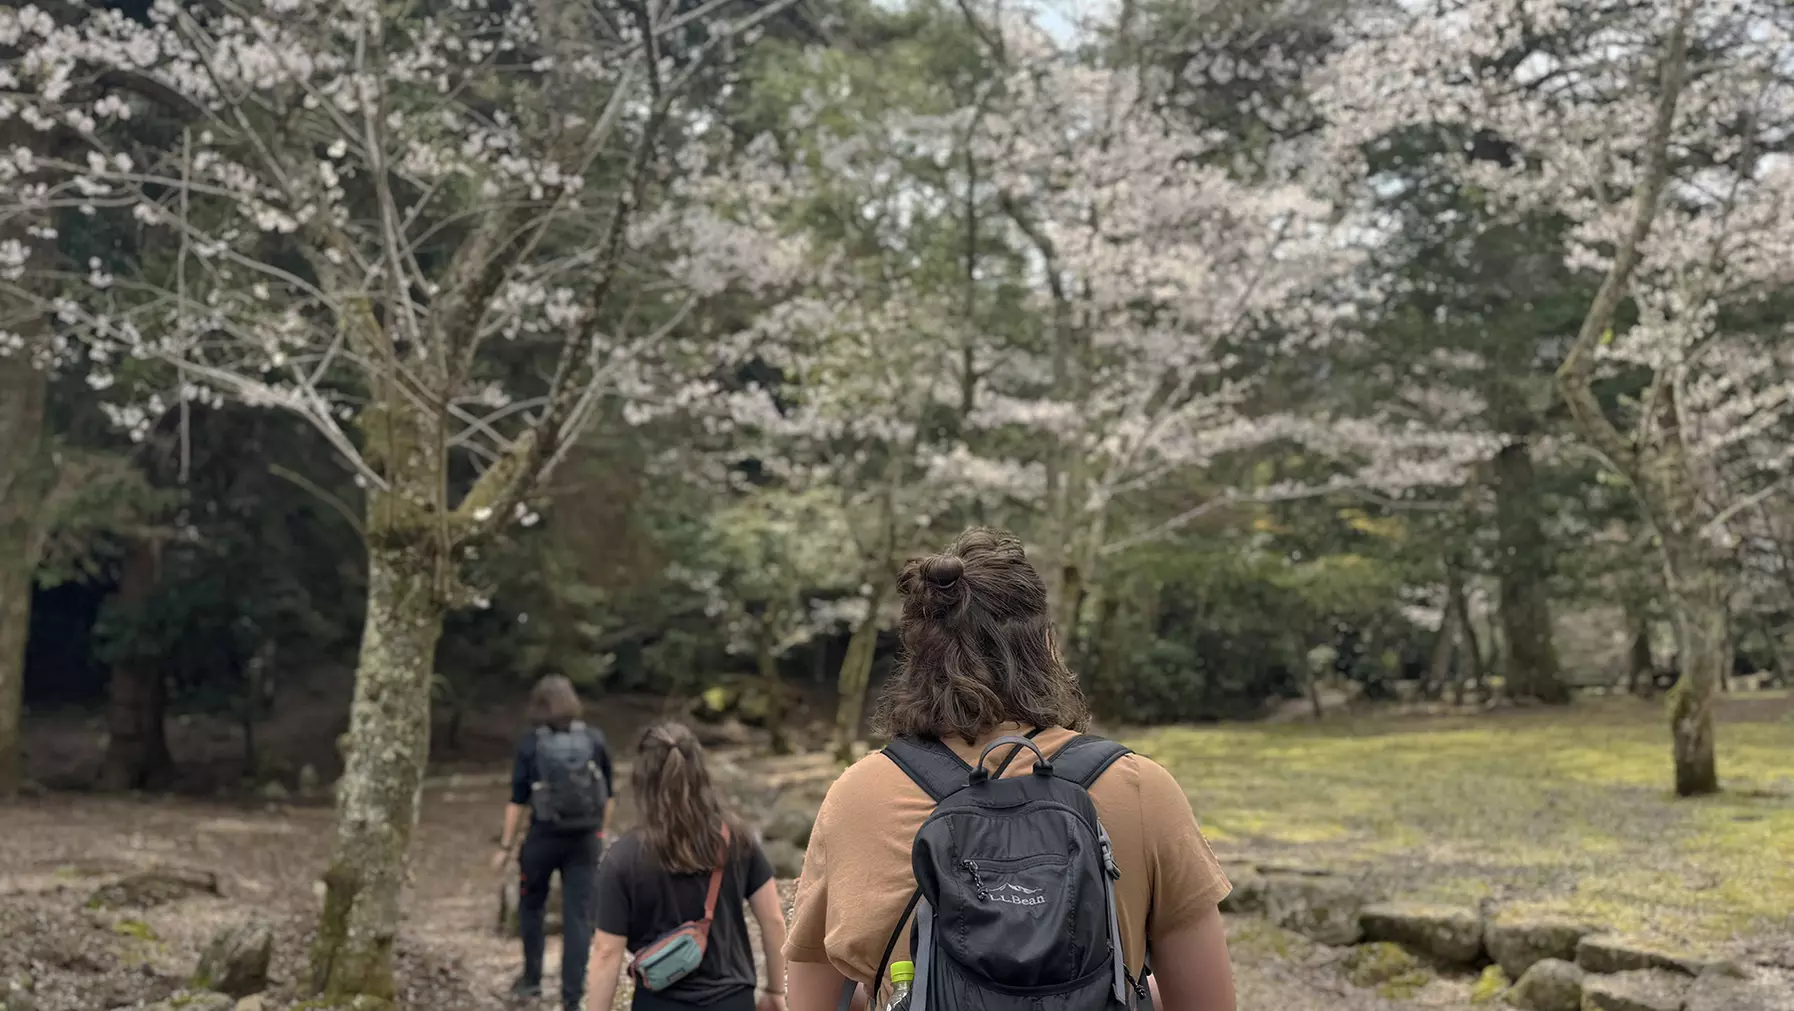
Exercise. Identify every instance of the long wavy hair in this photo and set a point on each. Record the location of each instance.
(682, 820)
(977, 646)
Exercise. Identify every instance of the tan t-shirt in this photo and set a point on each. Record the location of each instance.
(857, 878)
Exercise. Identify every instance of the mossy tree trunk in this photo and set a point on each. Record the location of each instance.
(1654, 459)
(25, 478)
(1438, 670)
(388, 743)
(137, 756)
(856, 672)
(1522, 568)
(1640, 665)
(1472, 646)
(1699, 600)
(22, 485)
(768, 662)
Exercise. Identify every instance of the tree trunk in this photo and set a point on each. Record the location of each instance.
(137, 755)
(1698, 601)
(15, 624)
(1439, 669)
(25, 474)
(775, 702)
(1472, 651)
(1102, 676)
(387, 747)
(22, 473)
(856, 672)
(1522, 567)
(1640, 665)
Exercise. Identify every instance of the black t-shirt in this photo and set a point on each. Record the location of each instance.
(642, 903)
(523, 770)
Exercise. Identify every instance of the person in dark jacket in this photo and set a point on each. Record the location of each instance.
(657, 878)
(560, 783)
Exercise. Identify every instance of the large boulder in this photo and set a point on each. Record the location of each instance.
(1450, 934)
(1611, 953)
(1517, 943)
(1551, 984)
(1721, 991)
(1320, 908)
(154, 887)
(1635, 990)
(236, 960)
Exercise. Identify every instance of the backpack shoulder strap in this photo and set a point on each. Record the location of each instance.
(930, 764)
(1083, 759)
(716, 884)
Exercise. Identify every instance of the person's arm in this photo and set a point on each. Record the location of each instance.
(517, 811)
(605, 967)
(1184, 929)
(610, 782)
(765, 905)
(1190, 970)
(816, 986)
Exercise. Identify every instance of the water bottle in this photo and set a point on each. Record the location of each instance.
(902, 975)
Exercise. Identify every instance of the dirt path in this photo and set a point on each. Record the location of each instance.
(55, 852)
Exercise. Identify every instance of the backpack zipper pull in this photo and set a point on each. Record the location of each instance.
(1109, 865)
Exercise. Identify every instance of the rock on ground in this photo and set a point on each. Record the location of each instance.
(1635, 990)
(787, 858)
(1447, 933)
(236, 960)
(195, 1002)
(1517, 943)
(1550, 984)
(1717, 991)
(154, 887)
(1248, 895)
(790, 823)
(1610, 953)
(1383, 962)
(1323, 909)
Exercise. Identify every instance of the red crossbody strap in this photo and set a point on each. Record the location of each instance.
(716, 882)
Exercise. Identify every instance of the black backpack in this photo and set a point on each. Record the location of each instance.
(1015, 899)
(570, 790)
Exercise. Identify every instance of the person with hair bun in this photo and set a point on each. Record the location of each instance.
(979, 661)
(671, 892)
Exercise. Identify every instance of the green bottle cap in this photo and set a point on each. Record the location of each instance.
(903, 972)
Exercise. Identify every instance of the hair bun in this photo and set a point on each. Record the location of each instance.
(943, 570)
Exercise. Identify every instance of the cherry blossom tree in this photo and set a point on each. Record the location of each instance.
(1174, 281)
(867, 352)
(1658, 130)
(374, 221)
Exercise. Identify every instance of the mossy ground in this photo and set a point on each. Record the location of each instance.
(1559, 810)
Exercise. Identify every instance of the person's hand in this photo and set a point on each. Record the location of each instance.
(770, 1002)
(500, 857)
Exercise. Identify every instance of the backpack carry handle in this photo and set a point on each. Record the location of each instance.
(1042, 766)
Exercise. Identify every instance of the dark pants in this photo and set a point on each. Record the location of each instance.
(575, 855)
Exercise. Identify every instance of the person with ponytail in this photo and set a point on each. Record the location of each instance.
(978, 660)
(671, 893)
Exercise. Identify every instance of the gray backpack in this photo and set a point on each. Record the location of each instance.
(1015, 899)
(570, 790)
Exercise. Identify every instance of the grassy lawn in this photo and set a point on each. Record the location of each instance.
(1566, 811)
